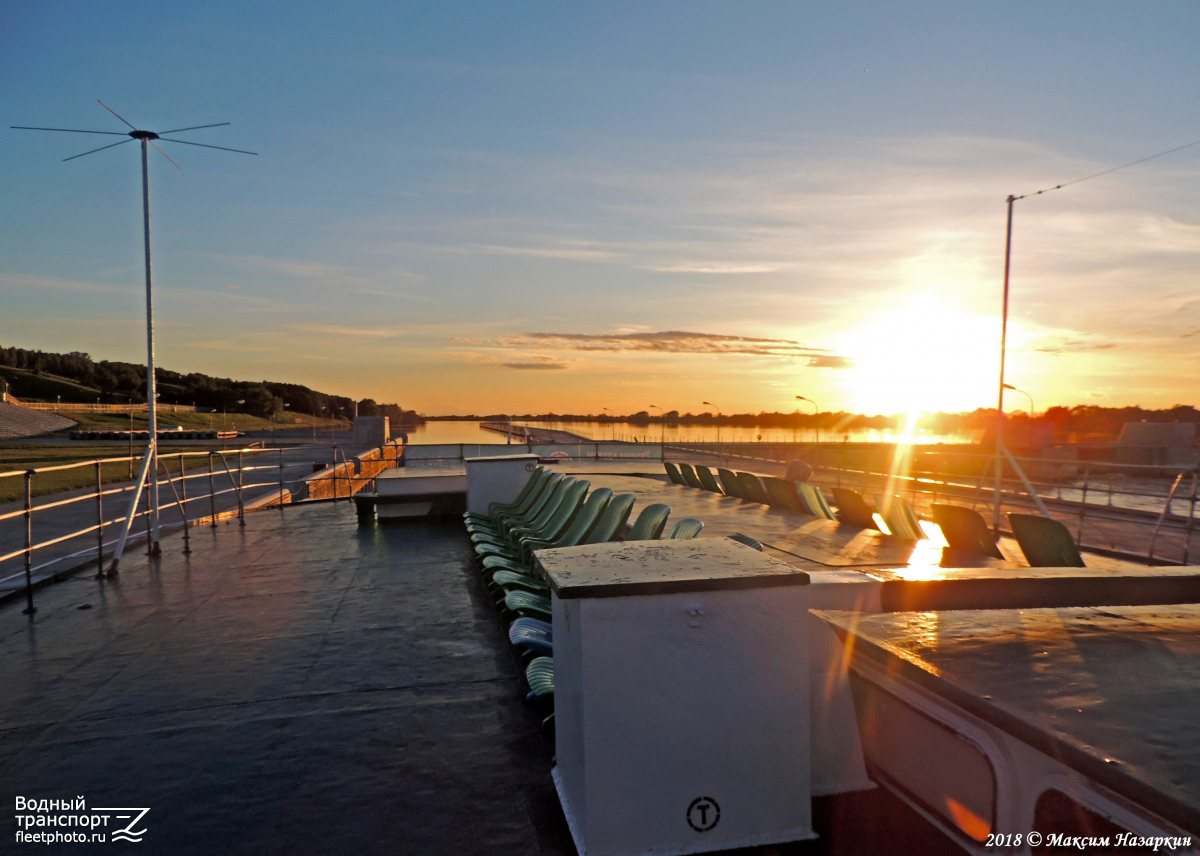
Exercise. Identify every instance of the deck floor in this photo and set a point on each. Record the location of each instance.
(299, 686)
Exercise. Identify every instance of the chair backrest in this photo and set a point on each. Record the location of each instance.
(573, 498)
(730, 483)
(900, 517)
(1045, 542)
(965, 529)
(526, 496)
(538, 522)
(586, 519)
(798, 470)
(689, 476)
(752, 488)
(685, 529)
(812, 498)
(673, 473)
(612, 522)
(747, 540)
(853, 509)
(782, 495)
(707, 480)
(550, 488)
(650, 523)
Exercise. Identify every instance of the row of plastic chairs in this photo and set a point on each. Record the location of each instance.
(552, 511)
(793, 495)
(1044, 541)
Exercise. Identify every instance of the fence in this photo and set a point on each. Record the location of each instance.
(103, 408)
(1134, 511)
(189, 497)
(591, 451)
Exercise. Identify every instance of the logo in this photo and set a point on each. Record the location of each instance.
(530, 467)
(127, 832)
(703, 814)
(560, 455)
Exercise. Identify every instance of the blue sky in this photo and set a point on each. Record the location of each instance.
(523, 206)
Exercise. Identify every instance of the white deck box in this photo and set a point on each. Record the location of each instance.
(681, 696)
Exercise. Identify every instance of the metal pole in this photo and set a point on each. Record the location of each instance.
(151, 394)
(1000, 395)
(1187, 533)
(1082, 506)
(99, 522)
(281, 479)
(187, 547)
(241, 508)
(212, 492)
(128, 524)
(30, 609)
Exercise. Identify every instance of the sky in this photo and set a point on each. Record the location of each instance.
(564, 207)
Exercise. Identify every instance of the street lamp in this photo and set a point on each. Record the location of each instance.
(816, 412)
(662, 440)
(612, 425)
(714, 407)
(1024, 393)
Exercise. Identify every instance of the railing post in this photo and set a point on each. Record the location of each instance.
(1187, 533)
(30, 609)
(241, 506)
(149, 536)
(99, 522)
(187, 547)
(335, 475)
(1083, 505)
(281, 479)
(212, 492)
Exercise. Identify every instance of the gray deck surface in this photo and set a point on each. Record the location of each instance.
(301, 686)
(1118, 683)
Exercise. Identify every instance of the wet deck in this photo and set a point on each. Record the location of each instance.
(299, 686)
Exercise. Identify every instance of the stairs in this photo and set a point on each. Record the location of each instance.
(17, 421)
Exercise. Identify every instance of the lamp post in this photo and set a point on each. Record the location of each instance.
(714, 407)
(612, 425)
(816, 412)
(1024, 393)
(662, 437)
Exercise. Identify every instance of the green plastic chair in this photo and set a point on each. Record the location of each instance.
(782, 495)
(673, 473)
(707, 480)
(504, 518)
(853, 509)
(549, 524)
(747, 540)
(528, 605)
(581, 526)
(900, 517)
(495, 507)
(541, 511)
(685, 529)
(689, 476)
(730, 482)
(1045, 542)
(539, 674)
(650, 523)
(752, 488)
(812, 498)
(965, 529)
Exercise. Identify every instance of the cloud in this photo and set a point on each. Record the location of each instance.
(1075, 346)
(536, 366)
(662, 342)
(830, 361)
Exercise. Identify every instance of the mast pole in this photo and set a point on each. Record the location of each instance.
(151, 395)
(999, 463)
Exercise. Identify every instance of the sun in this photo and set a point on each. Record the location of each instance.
(922, 356)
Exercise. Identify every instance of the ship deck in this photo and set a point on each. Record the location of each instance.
(303, 685)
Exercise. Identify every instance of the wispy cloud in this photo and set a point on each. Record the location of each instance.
(663, 342)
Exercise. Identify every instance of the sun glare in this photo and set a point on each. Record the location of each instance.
(923, 356)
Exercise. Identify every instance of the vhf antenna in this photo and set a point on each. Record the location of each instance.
(150, 462)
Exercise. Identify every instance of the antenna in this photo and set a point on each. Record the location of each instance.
(150, 461)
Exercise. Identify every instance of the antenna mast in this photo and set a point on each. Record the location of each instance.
(150, 460)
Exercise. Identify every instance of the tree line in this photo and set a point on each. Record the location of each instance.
(117, 382)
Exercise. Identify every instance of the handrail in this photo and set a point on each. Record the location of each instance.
(247, 475)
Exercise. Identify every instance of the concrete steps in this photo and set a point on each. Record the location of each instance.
(17, 421)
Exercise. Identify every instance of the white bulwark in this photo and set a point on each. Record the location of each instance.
(681, 696)
(497, 479)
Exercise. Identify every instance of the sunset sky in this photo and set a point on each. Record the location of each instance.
(558, 207)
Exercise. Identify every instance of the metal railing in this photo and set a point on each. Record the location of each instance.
(189, 497)
(1135, 511)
